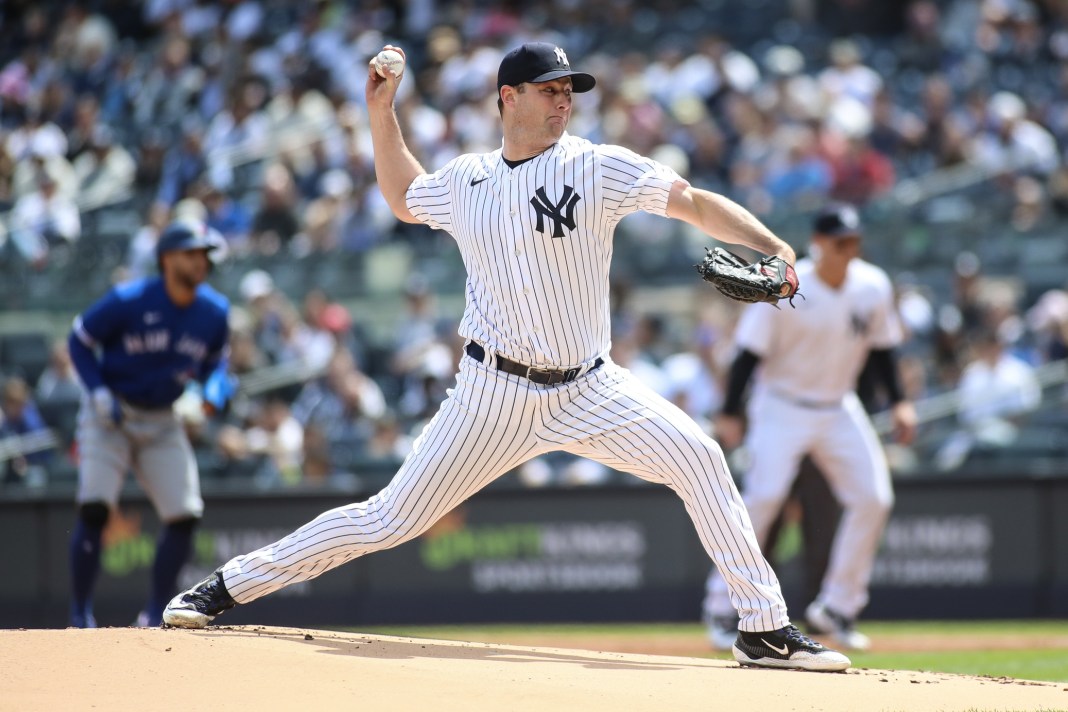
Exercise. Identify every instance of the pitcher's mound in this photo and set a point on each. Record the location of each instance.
(261, 668)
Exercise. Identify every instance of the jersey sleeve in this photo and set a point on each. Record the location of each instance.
(90, 330)
(632, 182)
(755, 329)
(100, 322)
(886, 331)
(429, 197)
(218, 356)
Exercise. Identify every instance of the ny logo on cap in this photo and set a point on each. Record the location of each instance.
(561, 58)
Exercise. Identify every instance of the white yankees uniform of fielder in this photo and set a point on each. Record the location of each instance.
(535, 235)
(803, 402)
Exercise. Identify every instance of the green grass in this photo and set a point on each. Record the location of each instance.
(1051, 665)
(956, 640)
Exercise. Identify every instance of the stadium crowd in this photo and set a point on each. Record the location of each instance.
(249, 114)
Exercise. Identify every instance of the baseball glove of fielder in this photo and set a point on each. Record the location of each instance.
(768, 280)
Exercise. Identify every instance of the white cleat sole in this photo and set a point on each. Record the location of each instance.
(186, 619)
(824, 662)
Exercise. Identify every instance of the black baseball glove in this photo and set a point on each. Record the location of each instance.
(768, 280)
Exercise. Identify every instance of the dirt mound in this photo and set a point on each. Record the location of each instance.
(263, 668)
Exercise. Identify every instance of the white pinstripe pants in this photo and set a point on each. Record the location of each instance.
(492, 422)
(848, 452)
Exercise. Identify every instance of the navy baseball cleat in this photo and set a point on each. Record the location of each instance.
(199, 605)
(787, 648)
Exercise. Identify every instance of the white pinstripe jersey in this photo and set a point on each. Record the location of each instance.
(537, 242)
(816, 352)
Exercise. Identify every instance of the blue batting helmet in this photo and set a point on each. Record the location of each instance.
(187, 235)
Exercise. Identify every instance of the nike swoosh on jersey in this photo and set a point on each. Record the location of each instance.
(476, 181)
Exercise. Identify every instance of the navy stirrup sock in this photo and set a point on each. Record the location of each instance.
(84, 567)
(172, 551)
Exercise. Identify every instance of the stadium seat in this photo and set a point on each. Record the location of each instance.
(25, 354)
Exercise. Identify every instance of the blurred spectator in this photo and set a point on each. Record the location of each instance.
(421, 360)
(245, 357)
(424, 387)
(105, 170)
(308, 170)
(266, 307)
(43, 219)
(240, 132)
(58, 381)
(344, 217)
(793, 96)
(167, 90)
(860, 172)
(141, 255)
(695, 376)
(389, 442)
(627, 353)
(86, 120)
(996, 389)
(298, 112)
(1013, 143)
(895, 131)
(20, 418)
(36, 137)
(274, 437)
(150, 151)
(996, 385)
(343, 405)
(276, 221)
(1048, 320)
(330, 326)
(920, 46)
(416, 331)
(848, 76)
(322, 219)
(225, 214)
(798, 176)
(184, 165)
(943, 140)
(44, 158)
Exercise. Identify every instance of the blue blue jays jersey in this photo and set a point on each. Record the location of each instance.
(144, 347)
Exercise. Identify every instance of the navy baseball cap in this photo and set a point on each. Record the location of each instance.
(837, 220)
(186, 235)
(540, 62)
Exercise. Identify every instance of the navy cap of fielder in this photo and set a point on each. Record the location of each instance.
(540, 62)
(837, 220)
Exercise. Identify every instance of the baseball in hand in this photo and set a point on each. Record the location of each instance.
(391, 61)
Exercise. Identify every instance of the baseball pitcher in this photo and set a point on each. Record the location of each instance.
(534, 222)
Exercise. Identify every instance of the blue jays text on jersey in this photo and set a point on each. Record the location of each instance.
(143, 347)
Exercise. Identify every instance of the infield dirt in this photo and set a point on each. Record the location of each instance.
(262, 669)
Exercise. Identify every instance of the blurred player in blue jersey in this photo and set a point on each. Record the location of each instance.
(135, 351)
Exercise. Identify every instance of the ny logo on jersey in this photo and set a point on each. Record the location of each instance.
(860, 323)
(562, 213)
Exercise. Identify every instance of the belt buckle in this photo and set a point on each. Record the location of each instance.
(551, 377)
(541, 376)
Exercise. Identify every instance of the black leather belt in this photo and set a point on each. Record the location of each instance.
(541, 376)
